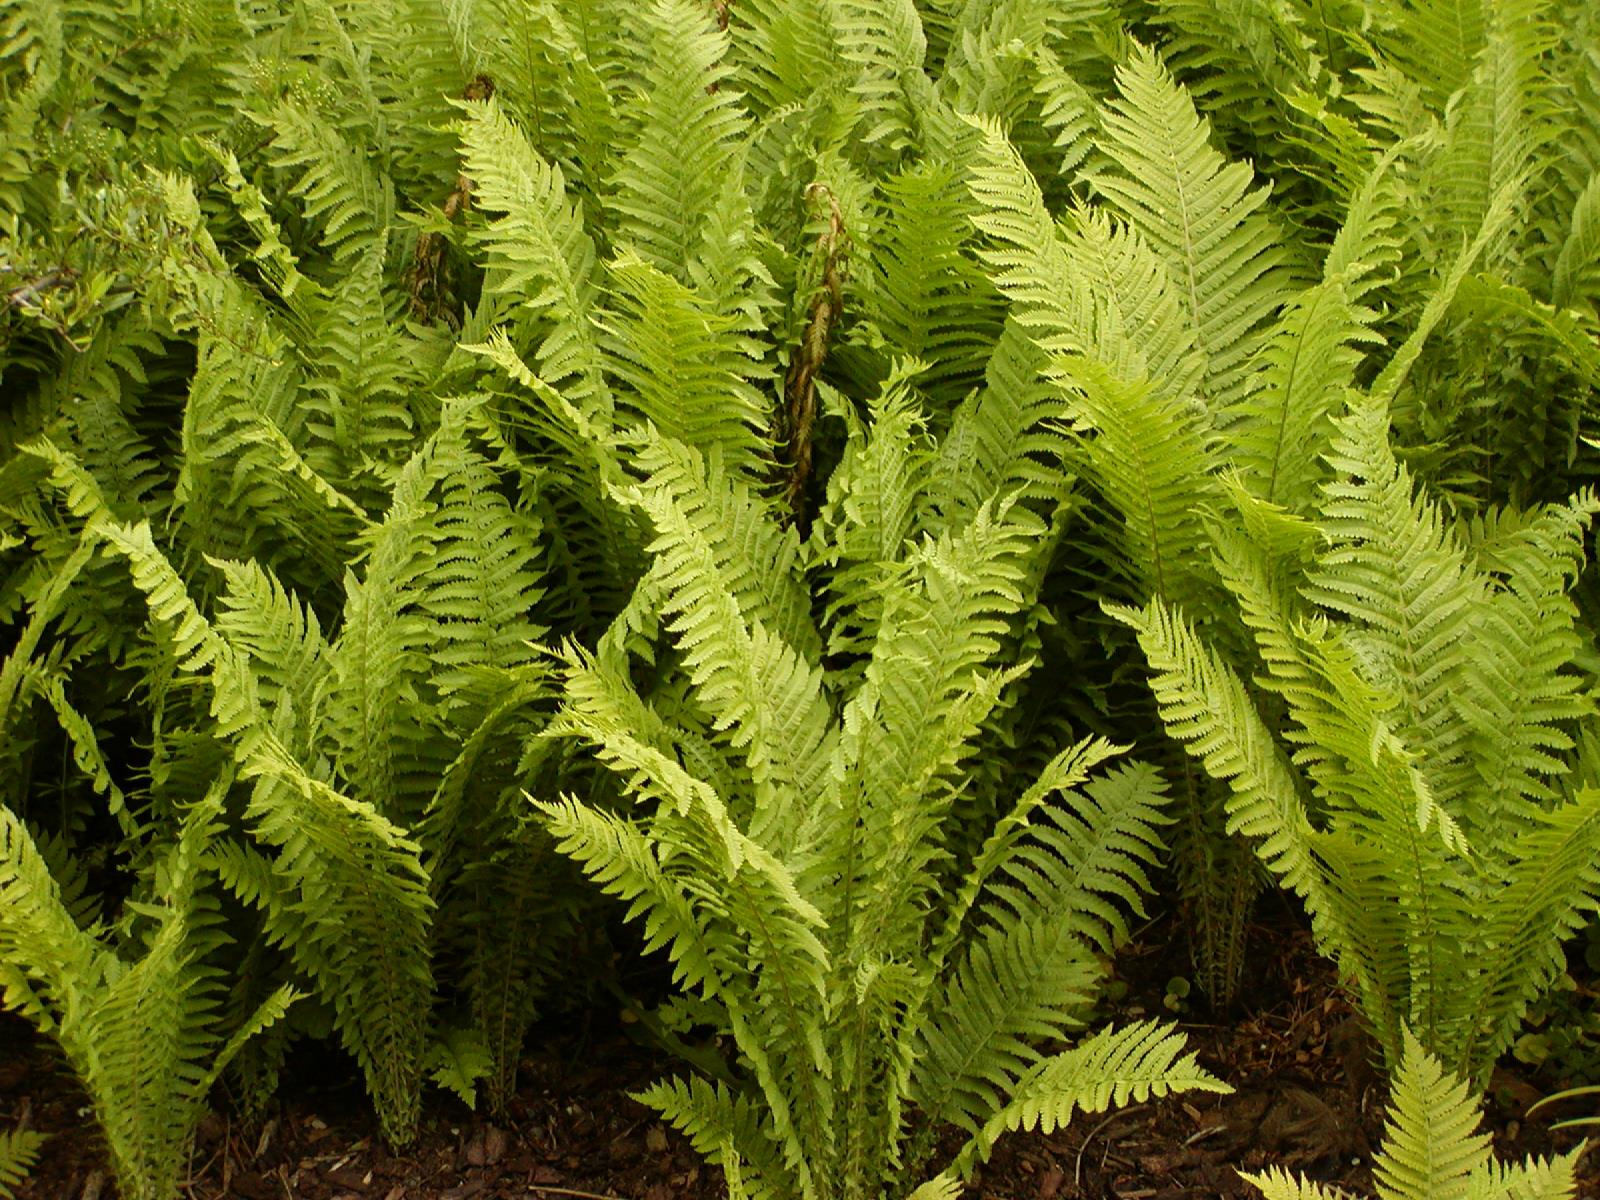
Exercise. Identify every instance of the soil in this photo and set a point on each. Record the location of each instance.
(1306, 1098)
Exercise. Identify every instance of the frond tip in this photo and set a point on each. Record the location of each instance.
(1111, 1069)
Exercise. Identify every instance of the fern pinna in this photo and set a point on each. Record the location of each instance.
(791, 823)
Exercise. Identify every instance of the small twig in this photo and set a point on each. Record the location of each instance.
(561, 1191)
(1077, 1165)
(1203, 1134)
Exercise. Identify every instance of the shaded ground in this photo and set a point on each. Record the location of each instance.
(1305, 1098)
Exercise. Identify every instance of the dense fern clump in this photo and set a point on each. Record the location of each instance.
(780, 438)
(1428, 798)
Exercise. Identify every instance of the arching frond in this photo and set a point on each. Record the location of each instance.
(1277, 436)
(1002, 438)
(1198, 212)
(1113, 1067)
(927, 296)
(19, 1150)
(686, 128)
(789, 51)
(545, 257)
(339, 184)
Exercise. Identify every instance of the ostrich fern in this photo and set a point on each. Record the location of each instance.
(791, 823)
(1421, 798)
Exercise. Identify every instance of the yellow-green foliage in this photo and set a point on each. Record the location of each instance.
(777, 396)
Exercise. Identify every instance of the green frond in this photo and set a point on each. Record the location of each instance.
(555, 69)
(1244, 62)
(1532, 1179)
(1204, 705)
(1394, 564)
(874, 504)
(788, 51)
(1021, 982)
(1068, 110)
(48, 604)
(1498, 215)
(480, 583)
(679, 368)
(1089, 856)
(1140, 325)
(618, 856)
(1429, 1148)
(941, 1187)
(44, 956)
(281, 636)
(685, 130)
(1028, 260)
(1437, 43)
(1520, 694)
(357, 923)
(540, 251)
(1148, 455)
(927, 690)
(1110, 1069)
(758, 561)
(243, 443)
(884, 41)
(595, 547)
(759, 951)
(19, 1150)
(371, 703)
(723, 1126)
(84, 744)
(1576, 277)
(1001, 439)
(927, 296)
(339, 184)
(1198, 213)
(1276, 1183)
(98, 392)
(1496, 128)
(1545, 893)
(1278, 434)
(752, 682)
(355, 909)
(142, 1035)
(364, 371)
(1367, 250)
(1066, 770)
(1430, 1151)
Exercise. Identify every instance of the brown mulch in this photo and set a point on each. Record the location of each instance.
(1305, 1098)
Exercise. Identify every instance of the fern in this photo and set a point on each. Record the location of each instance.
(1430, 1149)
(143, 1035)
(543, 254)
(687, 129)
(338, 184)
(1435, 761)
(784, 845)
(19, 1150)
(1197, 212)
